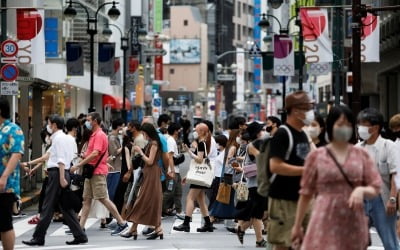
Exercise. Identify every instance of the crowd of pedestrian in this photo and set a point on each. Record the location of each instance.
(308, 182)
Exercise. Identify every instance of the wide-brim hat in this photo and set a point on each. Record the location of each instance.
(299, 99)
(254, 128)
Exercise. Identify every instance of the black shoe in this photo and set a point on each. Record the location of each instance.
(103, 225)
(147, 231)
(34, 242)
(240, 234)
(206, 228)
(108, 220)
(182, 228)
(77, 241)
(232, 230)
(155, 235)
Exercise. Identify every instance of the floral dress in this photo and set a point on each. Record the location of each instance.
(333, 225)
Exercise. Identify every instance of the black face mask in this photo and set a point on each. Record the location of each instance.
(268, 129)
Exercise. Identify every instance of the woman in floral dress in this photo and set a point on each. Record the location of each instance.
(338, 221)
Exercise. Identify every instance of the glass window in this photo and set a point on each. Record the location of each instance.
(239, 12)
(238, 32)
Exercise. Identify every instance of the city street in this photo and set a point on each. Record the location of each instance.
(101, 238)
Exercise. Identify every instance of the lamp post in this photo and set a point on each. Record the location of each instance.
(264, 24)
(70, 13)
(124, 47)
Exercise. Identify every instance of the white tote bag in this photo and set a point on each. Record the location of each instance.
(201, 174)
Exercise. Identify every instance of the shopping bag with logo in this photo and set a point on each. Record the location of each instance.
(242, 191)
(200, 173)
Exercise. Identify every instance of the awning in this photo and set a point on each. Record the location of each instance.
(115, 102)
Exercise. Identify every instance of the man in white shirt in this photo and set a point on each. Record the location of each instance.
(61, 156)
(173, 194)
(382, 209)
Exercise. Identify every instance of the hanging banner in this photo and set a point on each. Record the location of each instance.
(74, 59)
(370, 39)
(283, 56)
(116, 78)
(30, 35)
(240, 77)
(106, 59)
(317, 44)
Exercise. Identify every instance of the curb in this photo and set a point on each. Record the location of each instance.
(29, 199)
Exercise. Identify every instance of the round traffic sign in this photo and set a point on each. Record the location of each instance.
(9, 72)
(9, 48)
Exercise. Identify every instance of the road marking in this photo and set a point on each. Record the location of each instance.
(22, 247)
(22, 226)
(61, 230)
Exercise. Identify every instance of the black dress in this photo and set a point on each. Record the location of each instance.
(122, 186)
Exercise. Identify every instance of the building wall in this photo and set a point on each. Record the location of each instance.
(189, 77)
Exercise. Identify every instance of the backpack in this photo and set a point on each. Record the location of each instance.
(264, 175)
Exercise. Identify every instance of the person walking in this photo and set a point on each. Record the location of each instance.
(96, 187)
(61, 153)
(339, 176)
(382, 209)
(288, 150)
(148, 205)
(12, 141)
(196, 192)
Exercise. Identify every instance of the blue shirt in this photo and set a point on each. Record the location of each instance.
(164, 149)
(11, 141)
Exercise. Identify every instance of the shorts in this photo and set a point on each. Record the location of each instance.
(282, 214)
(7, 201)
(96, 187)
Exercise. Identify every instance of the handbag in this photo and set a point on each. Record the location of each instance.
(179, 159)
(224, 189)
(201, 174)
(250, 170)
(70, 200)
(242, 191)
(137, 162)
(88, 169)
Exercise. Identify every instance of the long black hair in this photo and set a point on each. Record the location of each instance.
(151, 131)
(334, 114)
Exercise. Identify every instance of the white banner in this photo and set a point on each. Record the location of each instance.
(370, 39)
(317, 44)
(240, 88)
(283, 56)
(30, 35)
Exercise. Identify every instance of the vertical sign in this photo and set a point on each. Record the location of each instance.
(257, 60)
(51, 36)
(158, 16)
(135, 26)
(240, 88)
(136, 8)
(158, 61)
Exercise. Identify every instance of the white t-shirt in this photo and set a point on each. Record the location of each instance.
(218, 163)
(173, 147)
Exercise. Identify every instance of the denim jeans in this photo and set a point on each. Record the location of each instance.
(385, 224)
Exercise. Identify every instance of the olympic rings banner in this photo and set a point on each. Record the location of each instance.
(283, 56)
(370, 39)
(319, 69)
(317, 44)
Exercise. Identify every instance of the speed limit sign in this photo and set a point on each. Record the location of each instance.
(9, 48)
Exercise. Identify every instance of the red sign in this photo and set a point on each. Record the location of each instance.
(9, 72)
(133, 64)
(158, 62)
(29, 23)
(9, 48)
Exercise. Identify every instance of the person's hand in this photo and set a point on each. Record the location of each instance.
(171, 175)
(32, 172)
(110, 168)
(73, 169)
(137, 149)
(297, 236)
(126, 176)
(3, 183)
(356, 199)
(63, 183)
(390, 208)
(24, 164)
(183, 181)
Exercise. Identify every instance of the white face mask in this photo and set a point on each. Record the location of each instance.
(195, 135)
(313, 132)
(363, 132)
(238, 140)
(49, 130)
(310, 117)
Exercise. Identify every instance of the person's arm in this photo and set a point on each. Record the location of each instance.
(278, 166)
(231, 153)
(85, 161)
(253, 150)
(10, 167)
(391, 206)
(128, 174)
(149, 160)
(61, 169)
(41, 159)
(171, 165)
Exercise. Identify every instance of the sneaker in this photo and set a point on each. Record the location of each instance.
(182, 216)
(112, 226)
(119, 229)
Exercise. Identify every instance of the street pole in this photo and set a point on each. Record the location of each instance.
(91, 106)
(124, 112)
(301, 49)
(283, 114)
(356, 67)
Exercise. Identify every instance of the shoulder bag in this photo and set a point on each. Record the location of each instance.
(340, 167)
(249, 168)
(224, 189)
(200, 173)
(88, 169)
(242, 191)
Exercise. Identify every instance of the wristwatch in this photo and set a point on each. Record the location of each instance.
(392, 199)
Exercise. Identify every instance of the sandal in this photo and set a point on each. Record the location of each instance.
(34, 220)
(240, 235)
(261, 243)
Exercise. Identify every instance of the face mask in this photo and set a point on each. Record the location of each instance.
(195, 135)
(88, 125)
(238, 140)
(49, 130)
(342, 134)
(313, 132)
(268, 129)
(363, 132)
(309, 118)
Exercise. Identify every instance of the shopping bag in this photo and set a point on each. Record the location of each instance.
(224, 193)
(201, 174)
